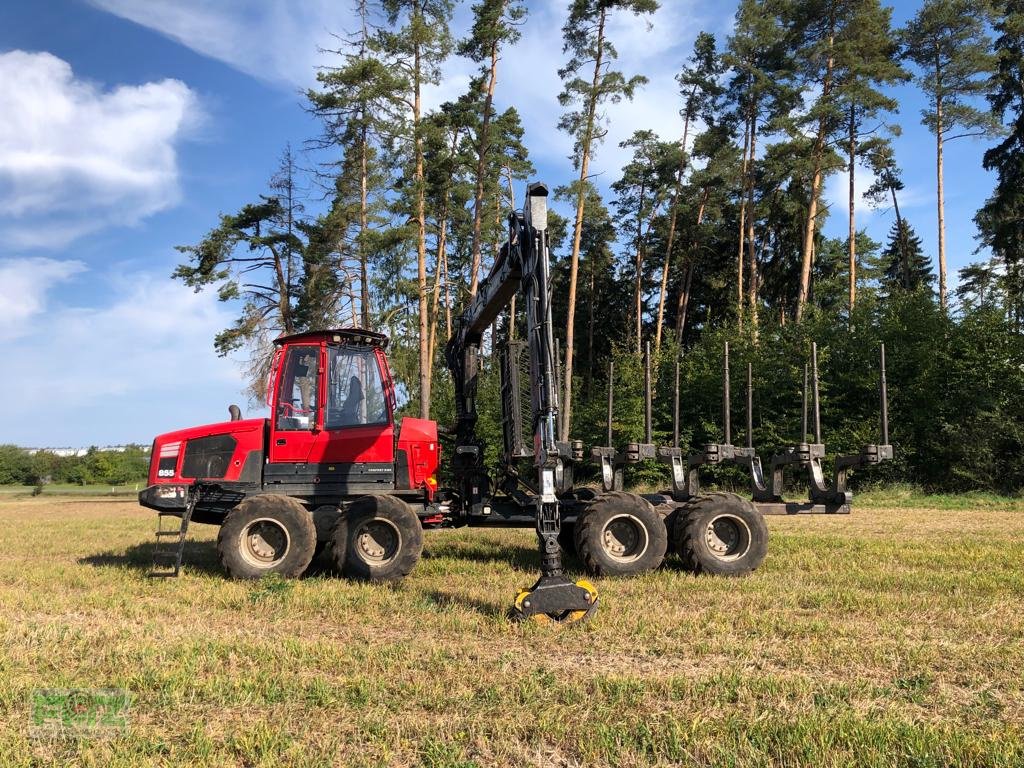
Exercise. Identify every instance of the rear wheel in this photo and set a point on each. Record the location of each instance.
(266, 534)
(379, 538)
(619, 534)
(721, 534)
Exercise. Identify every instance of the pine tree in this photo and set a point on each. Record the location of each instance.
(758, 90)
(948, 43)
(269, 256)
(706, 206)
(820, 28)
(1001, 220)
(867, 60)
(586, 40)
(359, 102)
(645, 184)
(495, 25)
(700, 89)
(417, 42)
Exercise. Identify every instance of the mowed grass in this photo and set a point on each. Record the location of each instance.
(891, 637)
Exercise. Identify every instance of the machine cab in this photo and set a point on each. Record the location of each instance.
(331, 399)
(332, 404)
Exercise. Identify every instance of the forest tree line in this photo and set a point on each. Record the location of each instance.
(712, 234)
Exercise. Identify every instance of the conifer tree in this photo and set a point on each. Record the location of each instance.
(358, 102)
(418, 41)
(645, 183)
(902, 263)
(868, 60)
(758, 57)
(591, 54)
(1001, 220)
(495, 25)
(700, 89)
(948, 43)
(276, 261)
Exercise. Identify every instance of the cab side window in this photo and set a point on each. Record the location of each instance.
(355, 394)
(297, 393)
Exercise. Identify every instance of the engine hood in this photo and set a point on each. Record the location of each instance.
(207, 430)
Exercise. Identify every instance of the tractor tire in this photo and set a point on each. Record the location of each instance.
(620, 534)
(266, 534)
(721, 534)
(378, 538)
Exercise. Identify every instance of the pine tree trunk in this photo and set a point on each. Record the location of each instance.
(807, 255)
(574, 263)
(481, 164)
(852, 244)
(672, 226)
(364, 278)
(743, 224)
(447, 299)
(902, 242)
(751, 250)
(436, 298)
(421, 244)
(638, 289)
(683, 304)
(941, 204)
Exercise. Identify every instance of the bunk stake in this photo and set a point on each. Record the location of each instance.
(726, 400)
(817, 398)
(750, 405)
(675, 410)
(611, 398)
(803, 423)
(647, 393)
(885, 400)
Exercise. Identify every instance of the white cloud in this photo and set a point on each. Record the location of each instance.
(837, 195)
(75, 158)
(274, 40)
(119, 371)
(24, 285)
(277, 41)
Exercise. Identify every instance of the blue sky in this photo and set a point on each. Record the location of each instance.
(128, 125)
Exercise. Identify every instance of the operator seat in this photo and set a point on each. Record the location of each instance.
(350, 409)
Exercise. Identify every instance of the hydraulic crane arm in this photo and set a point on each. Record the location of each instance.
(522, 268)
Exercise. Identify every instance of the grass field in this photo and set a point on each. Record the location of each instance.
(892, 637)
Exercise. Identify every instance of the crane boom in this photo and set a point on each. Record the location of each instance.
(522, 268)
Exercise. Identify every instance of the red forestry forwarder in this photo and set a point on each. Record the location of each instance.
(331, 469)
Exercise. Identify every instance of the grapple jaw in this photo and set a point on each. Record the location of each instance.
(556, 600)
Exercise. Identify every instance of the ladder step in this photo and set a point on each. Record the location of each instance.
(161, 574)
(169, 533)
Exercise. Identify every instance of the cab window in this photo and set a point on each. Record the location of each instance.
(355, 393)
(297, 393)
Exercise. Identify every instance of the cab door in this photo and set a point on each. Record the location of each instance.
(297, 412)
(358, 426)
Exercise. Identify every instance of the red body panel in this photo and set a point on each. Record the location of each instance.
(248, 433)
(418, 438)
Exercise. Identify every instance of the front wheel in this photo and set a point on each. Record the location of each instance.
(266, 534)
(721, 534)
(378, 538)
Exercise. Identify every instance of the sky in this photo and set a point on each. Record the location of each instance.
(128, 126)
